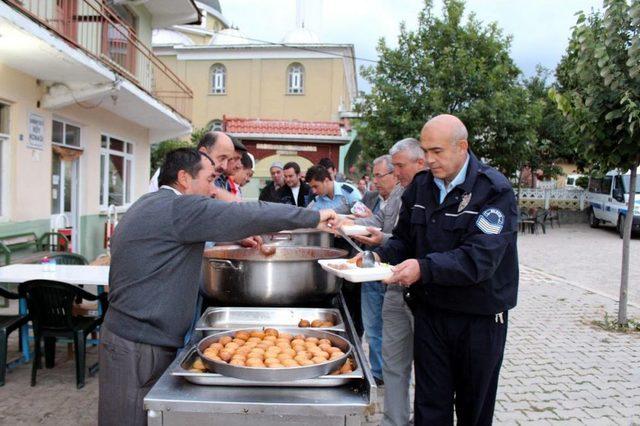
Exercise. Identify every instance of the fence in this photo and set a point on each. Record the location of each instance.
(570, 199)
(91, 26)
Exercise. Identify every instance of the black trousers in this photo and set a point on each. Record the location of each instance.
(457, 362)
(351, 293)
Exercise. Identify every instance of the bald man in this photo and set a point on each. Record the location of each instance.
(454, 249)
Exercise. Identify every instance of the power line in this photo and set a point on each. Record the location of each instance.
(309, 49)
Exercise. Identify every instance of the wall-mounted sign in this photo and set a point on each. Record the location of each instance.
(36, 132)
(268, 146)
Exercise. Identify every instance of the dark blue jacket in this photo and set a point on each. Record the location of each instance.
(466, 246)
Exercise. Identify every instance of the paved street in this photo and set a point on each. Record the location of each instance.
(558, 368)
(587, 257)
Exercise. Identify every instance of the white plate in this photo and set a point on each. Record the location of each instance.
(355, 274)
(356, 230)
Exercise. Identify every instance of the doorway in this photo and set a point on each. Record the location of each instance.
(65, 181)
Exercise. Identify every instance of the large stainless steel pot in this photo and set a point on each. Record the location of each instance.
(292, 276)
(300, 237)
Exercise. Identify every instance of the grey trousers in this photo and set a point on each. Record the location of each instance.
(128, 370)
(397, 357)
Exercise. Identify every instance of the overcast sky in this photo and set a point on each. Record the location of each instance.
(540, 28)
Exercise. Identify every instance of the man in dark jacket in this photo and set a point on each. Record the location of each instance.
(294, 191)
(455, 249)
(270, 191)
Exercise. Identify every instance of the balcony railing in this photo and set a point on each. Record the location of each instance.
(90, 25)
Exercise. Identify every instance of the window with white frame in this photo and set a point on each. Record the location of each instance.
(4, 140)
(215, 126)
(218, 79)
(116, 172)
(295, 79)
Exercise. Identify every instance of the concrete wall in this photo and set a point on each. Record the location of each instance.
(28, 201)
(257, 88)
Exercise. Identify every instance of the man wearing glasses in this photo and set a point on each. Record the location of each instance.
(405, 161)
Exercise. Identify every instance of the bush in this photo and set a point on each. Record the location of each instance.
(583, 182)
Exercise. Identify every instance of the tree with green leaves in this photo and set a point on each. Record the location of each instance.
(159, 150)
(599, 93)
(446, 65)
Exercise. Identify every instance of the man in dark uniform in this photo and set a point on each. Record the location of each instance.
(455, 249)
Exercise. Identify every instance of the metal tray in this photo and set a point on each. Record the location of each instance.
(214, 319)
(277, 374)
(215, 379)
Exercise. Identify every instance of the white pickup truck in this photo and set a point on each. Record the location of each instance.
(608, 197)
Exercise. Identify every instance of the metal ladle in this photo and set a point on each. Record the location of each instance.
(368, 260)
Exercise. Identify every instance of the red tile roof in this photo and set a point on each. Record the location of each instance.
(281, 127)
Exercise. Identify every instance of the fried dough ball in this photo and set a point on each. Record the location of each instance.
(287, 336)
(299, 336)
(312, 340)
(239, 356)
(318, 359)
(225, 339)
(283, 356)
(239, 342)
(231, 346)
(243, 350)
(297, 341)
(259, 334)
(306, 362)
(264, 345)
(243, 335)
(324, 342)
(210, 352)
(334, 349)
(335, 355)
(278, 365)
(255, 340)
(307, 355)
(290, 363)
(271, 332)
(346, 368)
(198, 364)
(324, 347)
(238, 362)
(300, 359)
(289, 351)
(304, 323)
(273, 350)
(269, 338)
(316, 323)
(254, 362)
(271, 360)
(216, 346)
(225, 355)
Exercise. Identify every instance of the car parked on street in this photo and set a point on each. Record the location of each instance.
(608, 197)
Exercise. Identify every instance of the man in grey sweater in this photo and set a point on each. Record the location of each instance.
(156, 258)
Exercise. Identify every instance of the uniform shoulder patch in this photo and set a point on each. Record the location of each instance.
(346, 188)
(490, 221)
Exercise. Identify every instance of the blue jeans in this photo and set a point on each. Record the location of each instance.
(372, 298)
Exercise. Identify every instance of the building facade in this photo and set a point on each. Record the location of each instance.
(298, 83)
(82, 98)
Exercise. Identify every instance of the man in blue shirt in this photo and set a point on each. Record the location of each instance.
(339, 196)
